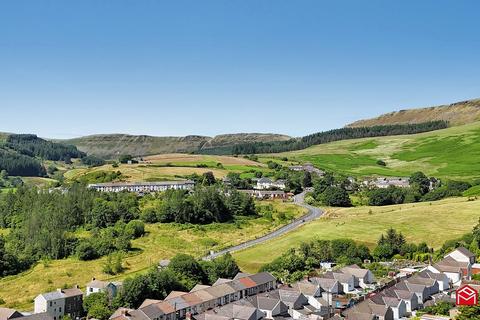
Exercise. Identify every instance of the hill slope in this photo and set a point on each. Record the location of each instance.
(112, 145)
(448, 153)
(456, 114)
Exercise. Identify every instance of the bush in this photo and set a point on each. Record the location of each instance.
(381, 163)
(86, 251)
(336, 197)
(135, 229)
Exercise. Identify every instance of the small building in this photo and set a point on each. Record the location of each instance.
(267, 194)
(267, 183)
(111, 288)
(385, 182)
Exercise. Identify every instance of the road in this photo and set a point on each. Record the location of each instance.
(313, 213)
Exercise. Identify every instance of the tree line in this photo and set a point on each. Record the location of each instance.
(325, 137)
(33, 146)
(21, 154)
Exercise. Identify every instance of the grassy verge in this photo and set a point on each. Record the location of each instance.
(433, 223)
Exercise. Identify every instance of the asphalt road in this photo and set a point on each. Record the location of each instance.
(313, 213)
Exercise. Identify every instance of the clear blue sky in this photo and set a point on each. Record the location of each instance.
(71, 68)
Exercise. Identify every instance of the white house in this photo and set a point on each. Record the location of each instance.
(266, 183)
(96, 286)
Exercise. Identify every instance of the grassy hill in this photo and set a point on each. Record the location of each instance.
(448, 153)
(418, 222)
(456, 114)
(163, 241)
(112, 145)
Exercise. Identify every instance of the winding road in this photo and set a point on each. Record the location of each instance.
(313, 213)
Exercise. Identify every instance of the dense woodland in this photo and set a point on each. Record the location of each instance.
(22, 154)
(327, 136)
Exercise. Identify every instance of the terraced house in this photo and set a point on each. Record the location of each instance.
(181, 305)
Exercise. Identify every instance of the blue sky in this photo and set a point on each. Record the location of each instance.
(71, 68)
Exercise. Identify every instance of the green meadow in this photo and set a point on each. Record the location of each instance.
(451, 153)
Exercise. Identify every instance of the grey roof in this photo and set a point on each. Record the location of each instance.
(326, 284)
(220, 290)
(466, 252)
(262, 278)
(241, 275)
(264, 180)
(199, 287)
(221, 281)
(305, 287)
(6, 313)
(355, 271)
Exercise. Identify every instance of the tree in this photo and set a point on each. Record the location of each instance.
(335, 197)
(153, 285)
(96, 305)
(86, 251)
(208, 178)
(420, 182)
(307, 179)
(187, 269)
(226, 267)
(135, 228)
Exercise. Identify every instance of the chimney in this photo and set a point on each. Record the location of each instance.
(76, 286)
(93, 279)
(59, 290)
(124, 311)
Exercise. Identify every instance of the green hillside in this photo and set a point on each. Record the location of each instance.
(448, 153)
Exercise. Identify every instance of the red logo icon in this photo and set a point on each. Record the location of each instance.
(467, 296)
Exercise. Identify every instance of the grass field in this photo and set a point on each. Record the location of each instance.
(175, 166)
(432, 222)
(162, 241)
(449, 153)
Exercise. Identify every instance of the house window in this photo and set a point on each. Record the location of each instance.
(60, 309)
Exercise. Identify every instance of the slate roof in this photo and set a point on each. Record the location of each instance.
(355, 271)
(465, 252)
(199, 287)
(6, 313)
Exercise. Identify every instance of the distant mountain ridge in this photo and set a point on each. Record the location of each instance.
(458, 113)
(112, 145)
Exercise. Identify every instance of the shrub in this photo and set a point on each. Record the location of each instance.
(135, 229)
(86, 251)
